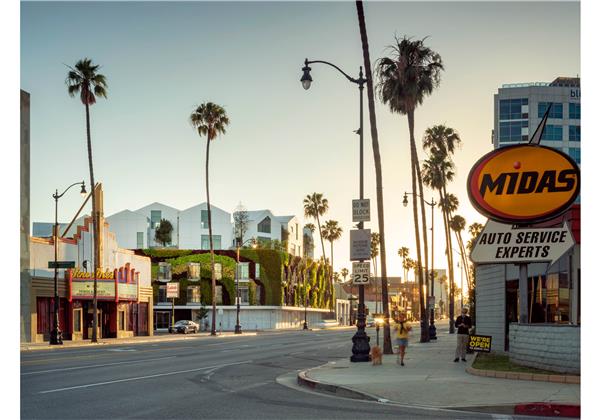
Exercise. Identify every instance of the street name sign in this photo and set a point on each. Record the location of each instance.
(61, 264)
(361, 272)
(361, 210)
(360, 244)
(500, 243)
(172, 290)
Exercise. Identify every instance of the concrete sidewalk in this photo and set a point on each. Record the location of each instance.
(431, 378)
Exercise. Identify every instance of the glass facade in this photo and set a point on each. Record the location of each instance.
(574, 111)
(575, 153)
(512, 131)
(216, 242)
(553, 132)
(555, 112)
(265, 225)
(244, 271)
(193, 294)
(512, 109)
(140, 240)
(155, 216)
(574, 133)
(204, 219)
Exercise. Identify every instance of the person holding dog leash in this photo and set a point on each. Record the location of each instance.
(402, 328)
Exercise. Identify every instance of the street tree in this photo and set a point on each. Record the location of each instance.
(406, 77)
(374, 254)
(316, 206)
(163, 232)
(240, 222)
(332, 232)
(210, 120)
(403, 253)
(84, 80)
(344, 273)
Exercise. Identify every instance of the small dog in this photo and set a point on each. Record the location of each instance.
(376, 355)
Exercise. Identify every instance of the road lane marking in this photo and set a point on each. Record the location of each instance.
(102, 353)
(138, 378)
(94, 366)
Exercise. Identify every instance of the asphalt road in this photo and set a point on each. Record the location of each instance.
(213, 377)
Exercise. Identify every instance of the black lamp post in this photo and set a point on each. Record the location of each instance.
(56, 333)
(432, 329)
(305, 326)
(360, 347)
(238, 327)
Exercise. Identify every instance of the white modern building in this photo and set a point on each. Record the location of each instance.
(519, 108)
(155, 212)
(193, 228)
(265, 226)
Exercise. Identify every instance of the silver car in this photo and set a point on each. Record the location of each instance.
(185, 327)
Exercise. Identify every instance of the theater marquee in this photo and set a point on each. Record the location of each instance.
(118, 285)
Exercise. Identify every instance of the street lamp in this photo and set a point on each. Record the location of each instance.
(432, 329)
(238, 327)
(360, 347)
(56, 333)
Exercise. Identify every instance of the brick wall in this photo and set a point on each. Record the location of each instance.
(550, 347)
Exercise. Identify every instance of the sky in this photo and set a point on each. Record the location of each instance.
(161, 60)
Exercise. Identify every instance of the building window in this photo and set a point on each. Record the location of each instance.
(265, 225)
(219, 294)
(556, 110)
(244, 296)
(140, 240)
(574, 133)
(162, 294)
(193, 294)
(164, 271)
(575, 153)
(256, 270)
(194, 271)
(155, 216)
(244, 271)
(77, 320)
(216, 242)
(204, 219)
(296, 231)
(514, 109)
(513, 131)
(122, 320)
(574, 111)
(552, 132)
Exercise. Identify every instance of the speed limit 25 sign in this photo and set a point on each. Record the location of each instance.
(361, 272)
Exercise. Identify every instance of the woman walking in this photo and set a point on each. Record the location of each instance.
(402, 328)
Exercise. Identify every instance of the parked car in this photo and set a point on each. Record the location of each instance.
(370, 321)
(184, 326)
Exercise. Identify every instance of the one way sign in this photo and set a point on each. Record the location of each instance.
(500, 243)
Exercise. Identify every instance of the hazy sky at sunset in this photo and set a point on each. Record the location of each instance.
(161, 60)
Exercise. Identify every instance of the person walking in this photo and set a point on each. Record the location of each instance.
(463, 323)
(402, 329)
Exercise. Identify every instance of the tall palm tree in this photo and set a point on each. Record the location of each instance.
(331, 232)
(403, 253)
(210, 120)
(314, 207)
(457, 224)
(405, 78)
(449, 204)
(84, 79)
(387, 340)
(344, 272)
(374, 254)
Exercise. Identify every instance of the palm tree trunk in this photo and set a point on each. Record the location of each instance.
(213, 328)
(331, 279)
(387, 340)
(422, 200)
(463, 252)
(450, 263)
(320, 234)
(419, 268)
(95, 247)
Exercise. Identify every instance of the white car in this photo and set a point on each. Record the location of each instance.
(326, 323)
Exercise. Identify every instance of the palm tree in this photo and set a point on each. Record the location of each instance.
(210, 120)
(85, 80)
(449, 204)
(405, 79)
(387, 340)
(314, 206)
(331, 232)
(457, 224)
(374, 254)
(344, 273)
(403, 253)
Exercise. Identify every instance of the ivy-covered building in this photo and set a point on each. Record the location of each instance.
(274, 288)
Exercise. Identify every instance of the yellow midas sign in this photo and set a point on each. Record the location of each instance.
(523, 184)
(78, 274)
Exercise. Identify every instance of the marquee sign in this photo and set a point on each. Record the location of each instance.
(523, 184)
(118, 285)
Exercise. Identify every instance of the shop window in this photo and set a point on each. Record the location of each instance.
(193, 294)
(122, 320)
(77, 313)
(243, 271)
(244, 296)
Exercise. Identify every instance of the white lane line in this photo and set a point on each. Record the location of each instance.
(94, 366)
(141, 377)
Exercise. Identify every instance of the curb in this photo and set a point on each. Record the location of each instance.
(562, 379)
(531, 409)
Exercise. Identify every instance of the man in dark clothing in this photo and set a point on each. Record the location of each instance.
(463, 323)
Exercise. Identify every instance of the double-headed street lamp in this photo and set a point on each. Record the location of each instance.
(239, 243)
(360, 347)
(56, 333)
(432, 329)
